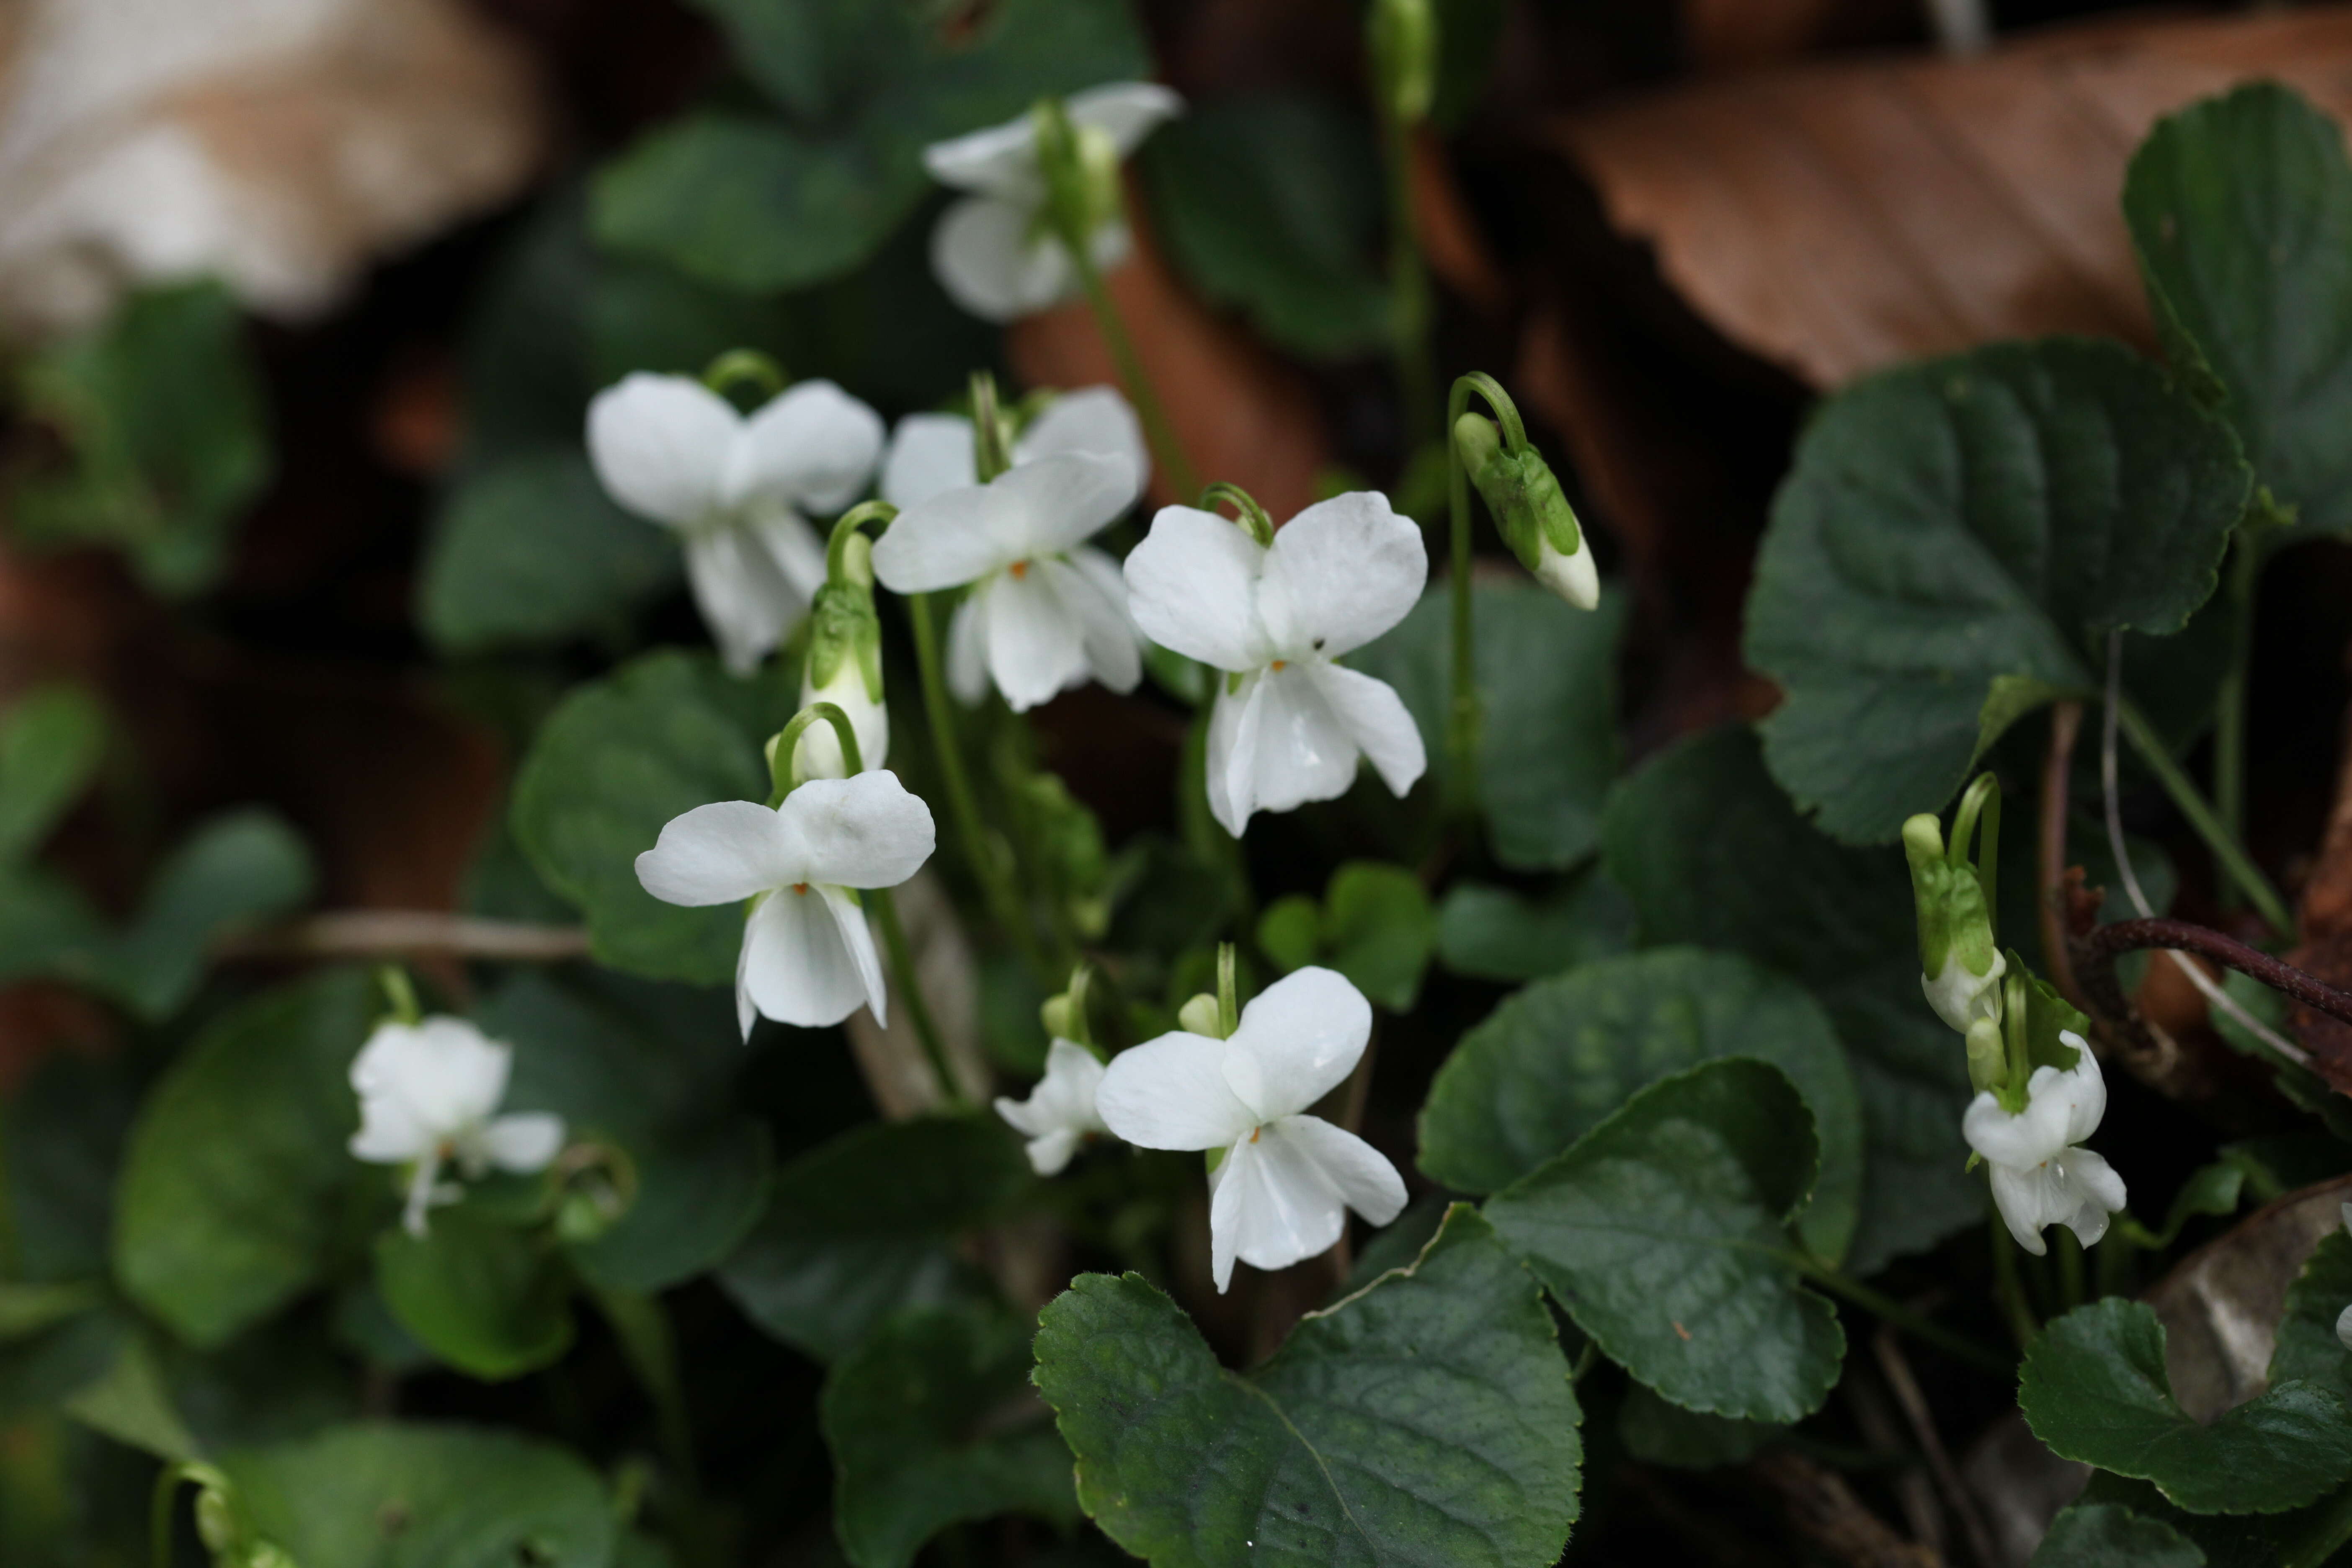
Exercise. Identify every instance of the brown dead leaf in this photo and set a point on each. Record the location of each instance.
(1835, 218)
(1242, 415)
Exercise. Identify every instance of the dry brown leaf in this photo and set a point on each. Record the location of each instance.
(1836, 217)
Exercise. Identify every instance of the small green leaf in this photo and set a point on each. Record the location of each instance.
(492, 1300)
(1290, 932)
(237, 1176)
(1555, 1059)
(2105, 1535)
(1427, 1419)
(2095, 1388)
(1658, 1433)
(821, 59)
(1272, 206)
(1379, 930)
(50, 741)
(131, 1404)
(62, 1131)
(931, 1421)
(1988, 515)
(236, 870)
(1712, 853)
(381, 1495)
(2307, 1350)
(530, 550)
(1492, 933)
(2227, 1539)
(1664, 1233)
(1548, 693)
(858, 1228)
(2211, 1190)
(611, 766)
(2240, 212)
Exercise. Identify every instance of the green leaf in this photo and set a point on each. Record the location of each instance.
(1712, 854)
(2104, 1535)
(50, 741)
(2095, 1388)
(1290, 932)
(1374, 926)
(821, 59)
(650, 1071)
(161, 415)
(1492, 933)
(1554, 1060)
(1272, 206)
(530, 550)
(1657, 1432)
(2240, 212)
(1664, 1233)
(2210, 1189)
(62, 1131)
(1428, 1418)
(1988, 515)
(131, 1404)
(492, 1300)
(2307, 1350)
(1548, 691)
(931, 1420)
(236, 870)
(857, 1227)
(660, 736)
(381, 1495)
(238, 1174)
(2227, 1541)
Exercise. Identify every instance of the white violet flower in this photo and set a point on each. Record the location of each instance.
(1281, 1192)
(994, 252)
(1289, 729)
(427, 1091)
(737, 490)
(931, 453)
(1960, 996)
(818, 754)
(2041, 1174)
(1059, 1113)
(1046, 611)
(807, 956)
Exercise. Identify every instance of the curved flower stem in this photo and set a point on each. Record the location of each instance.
(2096, 955)
(2236, 865)
(927, 1032)
(1887, 1309)
(1003, 899)
(1166, 449)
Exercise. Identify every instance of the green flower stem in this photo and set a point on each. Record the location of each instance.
(1003, 899)
(1889, 1310)
(1462, 717)
(2229, 707)
(2069, 1255)
(1586, 1360)
(2329, 1533)
(2236, 865)
(902, 963)
(1166, 450)
(2010, 1285)
(160, 1514)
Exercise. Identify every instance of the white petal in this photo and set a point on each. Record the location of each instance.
(660, 445)
(1231, 773)
(1000, 159)
(1095, 594)
(857, 937)
(1171, 1093)
(2085, 1091)
(443, 1071)
(793, 547)
(866, 832)
(930, 453)
(1377, 720)
(956, 537)
(1224, 1220)
(818, 754)
(747, 1012)
(746, 602)
(796, 963)
(2344, 1327)
(1339, 575)
(720, 853)
(1960, 997)
(2022, 1199)
(1049, 1152)
(1057, 503)
(1362, 1175)
(390, 1132)
(1298, 1040)
(1060, 1111)
(1126, 111)
(2023, 1141)
(1286, 1208)
(1304, 752)
(1193, 587)
(525, 1141)
(968, 650)
(2096, 1191)
(1573, 577)
(1037, 647)
(1096, 421)
(992, 260)
(813, 445)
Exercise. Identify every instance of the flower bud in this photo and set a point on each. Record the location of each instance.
(1080, 163)
(1200, 1017)
(1988, 1055)
(1530, 510)
(1960, 965)
(1403, 37)
(845, 669)
(1059, 1015)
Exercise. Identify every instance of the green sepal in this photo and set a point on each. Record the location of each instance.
(1081, 168)
(2047, 1015)
(1519, 490)
(1953, 919)
(844, 625)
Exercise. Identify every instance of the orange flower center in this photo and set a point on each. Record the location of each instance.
(1019, 569)
(800, 887)
(1281, 663)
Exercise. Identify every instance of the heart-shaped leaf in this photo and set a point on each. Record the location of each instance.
(1664, 1233)
(1555, 1059)
(491, 1300)
(1493, 933)
(2095, 1389)
(1428, 1418)
(1983, 517)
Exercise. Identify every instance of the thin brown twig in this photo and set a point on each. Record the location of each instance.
(1913, 1402)
(391, 934)
(1823, 1510)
